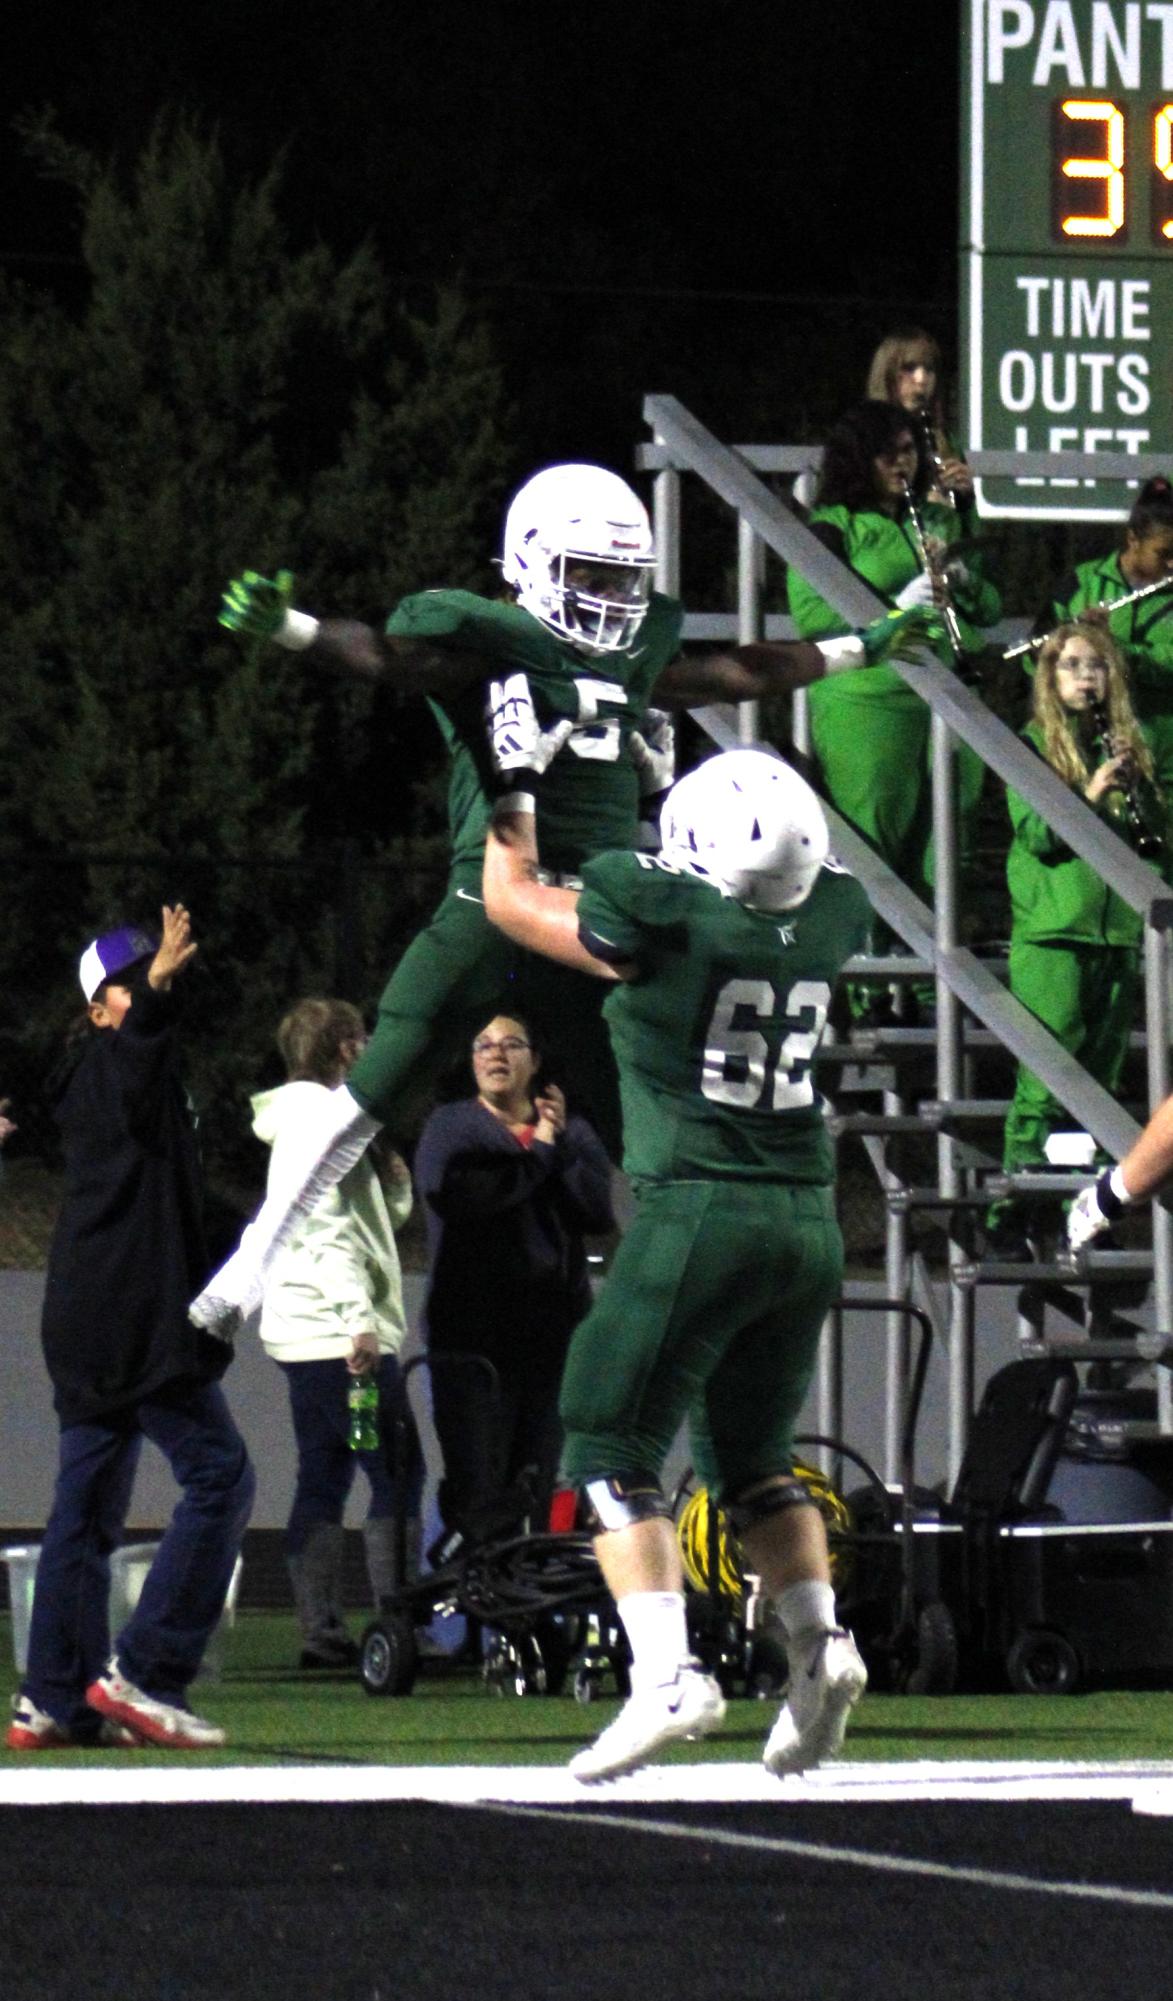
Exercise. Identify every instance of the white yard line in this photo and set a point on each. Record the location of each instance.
(858, 1858)
(188, 1782)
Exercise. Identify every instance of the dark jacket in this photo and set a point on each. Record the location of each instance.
(128, 1251)
(507, 1267)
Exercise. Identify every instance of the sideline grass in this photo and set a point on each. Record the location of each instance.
(275, 1715)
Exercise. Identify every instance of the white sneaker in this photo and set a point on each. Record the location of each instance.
(689, 1706)
(165, 1723)
(32, 1729)
(820, 1695)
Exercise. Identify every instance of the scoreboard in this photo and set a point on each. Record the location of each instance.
(1067, 242)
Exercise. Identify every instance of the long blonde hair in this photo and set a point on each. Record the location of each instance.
(1062, 745)
(893, 354)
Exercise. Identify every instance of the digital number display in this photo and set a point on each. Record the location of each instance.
(1088, 149)
(1161, 196)
(1067, 230)
(1094, 198)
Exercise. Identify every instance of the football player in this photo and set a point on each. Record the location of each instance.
(585, 646)
(721, 953)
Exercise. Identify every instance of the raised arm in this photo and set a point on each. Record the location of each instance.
(261, 608)
(774, 667)
(741, 674)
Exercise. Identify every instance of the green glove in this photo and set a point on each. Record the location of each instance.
(895, 633)
(256, 606)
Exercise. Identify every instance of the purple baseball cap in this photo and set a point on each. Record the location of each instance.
(113, 953)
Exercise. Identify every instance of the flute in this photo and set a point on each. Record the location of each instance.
(1106, 604)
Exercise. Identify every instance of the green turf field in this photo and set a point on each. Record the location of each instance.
(274, 1714)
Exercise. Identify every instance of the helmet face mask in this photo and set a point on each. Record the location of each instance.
(578, 552)
(749, 824)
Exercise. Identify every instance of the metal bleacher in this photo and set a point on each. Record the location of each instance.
(894, 1086)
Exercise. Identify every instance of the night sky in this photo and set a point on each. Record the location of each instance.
(723, 199)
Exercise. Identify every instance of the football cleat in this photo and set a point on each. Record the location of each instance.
(820, 1696)
(690, 1705)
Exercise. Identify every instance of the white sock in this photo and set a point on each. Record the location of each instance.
(655, 1626)
(805, 1608)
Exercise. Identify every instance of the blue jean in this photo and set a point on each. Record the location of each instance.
(163, 1642)
(326, 1466)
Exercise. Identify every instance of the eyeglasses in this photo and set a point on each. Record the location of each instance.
(509, 1045)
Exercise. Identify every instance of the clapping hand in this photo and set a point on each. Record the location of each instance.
(550, 1106)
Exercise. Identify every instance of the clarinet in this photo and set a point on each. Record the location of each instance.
(1146, 841)
(931, 569)
(923, 422)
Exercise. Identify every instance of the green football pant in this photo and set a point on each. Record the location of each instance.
(712, 1311)
(1086, 996)
(457, 974)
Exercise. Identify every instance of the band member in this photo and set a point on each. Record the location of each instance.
(906, 371)
(871, 733)
(1129, 593)
(1074, 944)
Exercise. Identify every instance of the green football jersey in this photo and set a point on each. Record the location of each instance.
(715, 1038)
(589, 797)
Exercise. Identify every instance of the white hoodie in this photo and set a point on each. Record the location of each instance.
(339, 1273)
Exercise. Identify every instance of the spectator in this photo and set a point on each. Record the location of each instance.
(1074, 944)
(127, 1364)
(509, 1185)
(334, 1312)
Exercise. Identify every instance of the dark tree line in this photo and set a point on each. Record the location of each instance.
(216, 393)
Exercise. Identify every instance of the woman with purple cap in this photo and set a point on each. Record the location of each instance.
(127, 1364)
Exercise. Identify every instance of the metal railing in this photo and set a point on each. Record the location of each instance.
(683, 445)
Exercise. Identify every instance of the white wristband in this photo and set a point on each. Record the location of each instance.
(296, 631)
(516, 802)
(1116, 1184)
(840, 655)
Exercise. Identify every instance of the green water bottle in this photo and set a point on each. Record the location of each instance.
(364, 1414)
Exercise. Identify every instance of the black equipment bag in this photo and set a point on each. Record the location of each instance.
(1015, 1439)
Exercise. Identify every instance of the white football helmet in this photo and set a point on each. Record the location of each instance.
(749, 823)
(578, 552)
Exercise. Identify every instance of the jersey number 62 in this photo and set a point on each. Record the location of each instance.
(768, 1066)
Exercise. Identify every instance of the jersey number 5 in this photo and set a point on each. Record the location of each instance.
(767, 1067)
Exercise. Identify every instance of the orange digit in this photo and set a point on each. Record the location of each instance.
(1107, 168)
(1163, 171)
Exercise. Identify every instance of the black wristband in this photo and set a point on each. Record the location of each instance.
(507, 782)
(1110, 1204)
